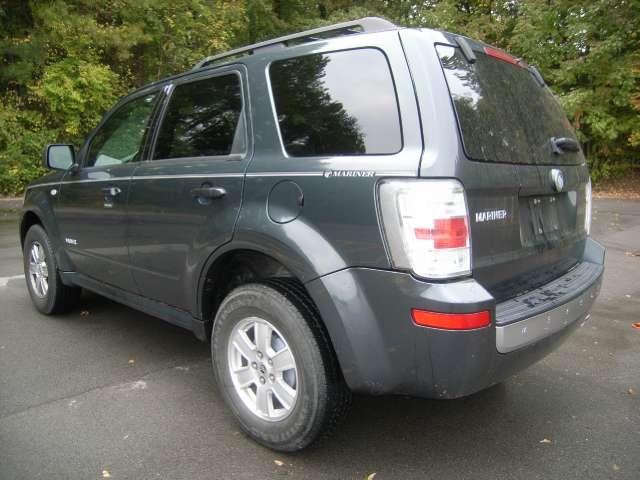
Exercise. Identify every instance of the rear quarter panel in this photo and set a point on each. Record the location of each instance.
(337, 226)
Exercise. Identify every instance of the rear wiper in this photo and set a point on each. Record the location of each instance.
(559, 145)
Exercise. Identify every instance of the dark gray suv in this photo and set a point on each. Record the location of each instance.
(357, 208)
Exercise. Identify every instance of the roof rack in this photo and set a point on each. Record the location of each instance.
(362, 25)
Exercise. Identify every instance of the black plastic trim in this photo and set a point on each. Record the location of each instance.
(551, 295)
(165, 312)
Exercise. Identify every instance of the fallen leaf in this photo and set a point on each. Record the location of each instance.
(636, 325)
(632, 254)
(371, 476)
(278, 462)
(131, 361)
(631, 391)
(106, 474)
(85, 313)
(545, 440)
(628, 296)
(616, 467)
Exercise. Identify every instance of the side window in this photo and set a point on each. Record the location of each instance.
(203, 118)
(120, 138)
(340, 103)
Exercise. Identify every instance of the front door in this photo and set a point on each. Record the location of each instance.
(184, 202)
(92, 211)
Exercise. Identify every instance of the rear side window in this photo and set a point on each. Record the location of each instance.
(504, 114)
(203, 119)
(340, 103)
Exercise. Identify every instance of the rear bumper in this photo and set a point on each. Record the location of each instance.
(533, 327)
(380, 350)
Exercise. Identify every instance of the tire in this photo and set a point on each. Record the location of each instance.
(321, 398)
(54, 297)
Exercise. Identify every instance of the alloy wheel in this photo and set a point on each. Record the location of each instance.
(263, 369)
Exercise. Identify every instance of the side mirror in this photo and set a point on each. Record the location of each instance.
(59, 157)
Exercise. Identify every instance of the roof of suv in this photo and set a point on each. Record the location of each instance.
(362, 25)
(355, 27)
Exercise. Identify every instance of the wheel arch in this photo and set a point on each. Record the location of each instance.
(29, 219)
(237, 263)
(39, 210)
(230, 267)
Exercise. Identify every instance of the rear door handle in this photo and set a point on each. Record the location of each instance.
(111, 191)
(208, 192)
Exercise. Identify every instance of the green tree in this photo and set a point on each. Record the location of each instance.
(64, 62)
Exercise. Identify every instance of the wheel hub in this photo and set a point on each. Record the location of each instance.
(263, 369)
(38, 271)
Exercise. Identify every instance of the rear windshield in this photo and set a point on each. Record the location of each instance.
(504, 114)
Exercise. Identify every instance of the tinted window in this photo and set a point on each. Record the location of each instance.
(341, 103)
(120, 138)
(202, 119)
(504, 114)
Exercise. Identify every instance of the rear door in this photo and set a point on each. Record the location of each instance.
(184, 202)
(518, 158)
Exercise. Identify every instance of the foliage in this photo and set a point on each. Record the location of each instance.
(63, 63)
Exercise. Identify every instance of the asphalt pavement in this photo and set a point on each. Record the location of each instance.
(107, 392)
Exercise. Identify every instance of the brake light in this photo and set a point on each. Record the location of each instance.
(588, 207)
(504, 56)
(451, 321)
(426, 226)
(446, 232)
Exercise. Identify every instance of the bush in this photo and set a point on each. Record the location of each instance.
(64, 62)
(600, 171)
(22, 137)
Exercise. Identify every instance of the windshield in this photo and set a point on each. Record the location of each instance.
(504, 114)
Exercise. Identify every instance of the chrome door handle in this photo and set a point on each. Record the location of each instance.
(111, 191)
(208, 192)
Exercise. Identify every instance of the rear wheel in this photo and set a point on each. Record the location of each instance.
(275, 367)
(48, 294)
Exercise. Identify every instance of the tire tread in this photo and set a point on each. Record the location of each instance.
(66, 298)
(338, 394)
(332, 398)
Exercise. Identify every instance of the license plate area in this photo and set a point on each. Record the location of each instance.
(545, 219)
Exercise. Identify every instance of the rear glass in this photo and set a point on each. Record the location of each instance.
(339, 103)
(503, 112)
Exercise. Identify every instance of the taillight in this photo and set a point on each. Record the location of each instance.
(451, 321)
(587, 213)
(446, 233)
(426, 226)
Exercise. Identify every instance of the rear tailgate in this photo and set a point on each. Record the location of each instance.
(527, 223)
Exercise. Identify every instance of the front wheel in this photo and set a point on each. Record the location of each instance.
(275, 366)
(48, 294)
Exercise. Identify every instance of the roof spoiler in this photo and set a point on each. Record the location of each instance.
(467, 51)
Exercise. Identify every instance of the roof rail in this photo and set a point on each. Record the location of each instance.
(362, 25)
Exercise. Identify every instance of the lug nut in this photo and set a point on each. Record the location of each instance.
(259, 354)
(271, 378)
(262, 380)
(254, 365)
(270, 362)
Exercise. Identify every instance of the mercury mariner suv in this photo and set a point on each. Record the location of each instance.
(356, 208)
